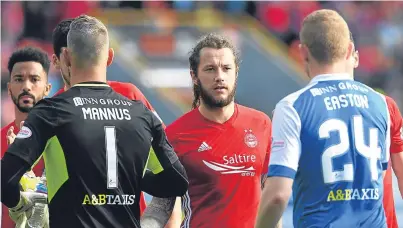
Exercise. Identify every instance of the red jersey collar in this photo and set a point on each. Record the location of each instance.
(229, 122)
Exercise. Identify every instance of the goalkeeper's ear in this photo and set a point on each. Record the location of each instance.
(111, 54)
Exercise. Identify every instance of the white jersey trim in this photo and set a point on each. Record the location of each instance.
(187, 210)
(385, 157)
(286, 125)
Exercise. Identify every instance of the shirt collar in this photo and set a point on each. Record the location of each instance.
(93, 83)
(331, 77)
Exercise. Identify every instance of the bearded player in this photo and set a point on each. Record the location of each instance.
(28, 68)
(223, 146)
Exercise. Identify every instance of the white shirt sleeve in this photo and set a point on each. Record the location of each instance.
(286, 143)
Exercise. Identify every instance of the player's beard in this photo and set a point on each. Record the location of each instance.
(213, 103)
(24, 109)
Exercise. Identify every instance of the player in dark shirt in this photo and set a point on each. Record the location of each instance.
(98, 169)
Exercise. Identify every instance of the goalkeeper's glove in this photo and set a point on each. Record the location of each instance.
(25, 205)
(22, 220)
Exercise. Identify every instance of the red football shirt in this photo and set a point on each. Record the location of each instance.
(396, 146)
(38, 169)
(224, 164)
(133, 93)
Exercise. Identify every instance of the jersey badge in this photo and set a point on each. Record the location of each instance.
(24, 133)
(250, 139)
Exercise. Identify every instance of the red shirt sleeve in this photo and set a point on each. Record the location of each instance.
(142, 203)
(59, 92)
(133, 93)
(265, 169)
(6, 220)
(138, 95)
(170, 135)
(4, 145)
(396, 127)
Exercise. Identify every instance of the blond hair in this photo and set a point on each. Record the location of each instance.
(326, 35)
(88, 41)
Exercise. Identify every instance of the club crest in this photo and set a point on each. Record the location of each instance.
(250, 139)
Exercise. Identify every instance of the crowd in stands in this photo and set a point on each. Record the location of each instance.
(376, 28)
(377, 32)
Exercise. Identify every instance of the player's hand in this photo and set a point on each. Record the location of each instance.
(27, 201)
(44, 223)
(21, 219)
(10, 134)
(46, 217)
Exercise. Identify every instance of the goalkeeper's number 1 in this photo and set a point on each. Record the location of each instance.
(111, 157)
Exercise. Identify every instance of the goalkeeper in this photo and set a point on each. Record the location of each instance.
(99, 171)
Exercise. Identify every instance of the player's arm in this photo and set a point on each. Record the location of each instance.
(266, 163)
(396, 142)
(11, 137)
(268, 150)
(158, 212)
(166, 176)
(176, 215)
(285, 152)
(176, 218)
(397, 166)
(26, 149)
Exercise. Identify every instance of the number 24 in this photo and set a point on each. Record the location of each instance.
(371, 152)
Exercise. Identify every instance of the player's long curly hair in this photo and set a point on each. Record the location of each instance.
(209, 41)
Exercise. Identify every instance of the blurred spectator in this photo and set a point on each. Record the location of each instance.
(376, 27)
(72, 9)
(251, 8)
(32, 23)
(38, 16)
(183, 5)
(276, 17)
(377, 31)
